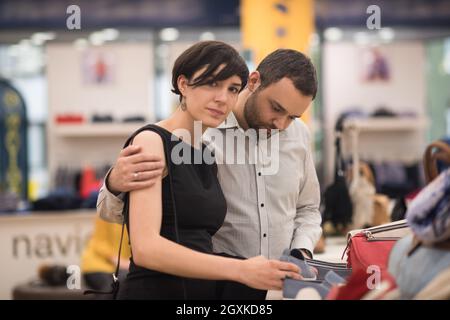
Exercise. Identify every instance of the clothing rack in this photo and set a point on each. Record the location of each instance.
(379, 139)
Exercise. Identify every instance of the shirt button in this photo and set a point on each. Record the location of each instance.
(264, 235)
(262, 204)
(259, 174)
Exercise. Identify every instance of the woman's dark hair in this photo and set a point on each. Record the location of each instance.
(209, 54)
(291, 64)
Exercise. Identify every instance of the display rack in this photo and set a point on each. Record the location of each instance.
(126, 92)
(120, 130)
(384, 139)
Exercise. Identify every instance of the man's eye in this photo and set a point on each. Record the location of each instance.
(276, 108)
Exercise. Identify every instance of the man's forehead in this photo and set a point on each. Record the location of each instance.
(278, 87)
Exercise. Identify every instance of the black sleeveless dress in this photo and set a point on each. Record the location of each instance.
(200, 210)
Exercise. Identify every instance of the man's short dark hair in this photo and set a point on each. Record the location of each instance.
(291, 64)
(210, 54)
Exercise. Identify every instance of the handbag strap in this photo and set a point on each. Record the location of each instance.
(125, 213)
(339, 168)
(115, 284)
(437, 150)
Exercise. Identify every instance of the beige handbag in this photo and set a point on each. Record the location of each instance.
(369, 208)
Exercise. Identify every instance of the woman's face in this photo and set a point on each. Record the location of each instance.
(211, 103)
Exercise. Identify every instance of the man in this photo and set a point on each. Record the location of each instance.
(267, 211)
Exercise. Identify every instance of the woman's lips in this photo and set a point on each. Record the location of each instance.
(215, 112)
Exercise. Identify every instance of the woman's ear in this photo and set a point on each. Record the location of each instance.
(182, 83)
(254, 81)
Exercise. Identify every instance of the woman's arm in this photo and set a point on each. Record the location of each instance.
(152, 251)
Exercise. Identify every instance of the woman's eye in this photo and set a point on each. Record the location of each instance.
(234, 90)
(213, 84)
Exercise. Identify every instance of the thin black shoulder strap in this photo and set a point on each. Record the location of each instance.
(159, 131)
(125, 211)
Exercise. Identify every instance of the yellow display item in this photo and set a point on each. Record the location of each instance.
(101, 252)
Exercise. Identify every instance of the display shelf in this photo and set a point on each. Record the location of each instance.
(384, 139)
(97, 129)
(386, 124)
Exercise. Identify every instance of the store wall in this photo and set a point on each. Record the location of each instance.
(344, 87)
(124, 91)
(438, 87)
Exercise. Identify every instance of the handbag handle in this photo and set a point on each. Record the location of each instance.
(339, 168)
(437, 150)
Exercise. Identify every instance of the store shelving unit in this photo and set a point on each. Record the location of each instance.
(380, 139)
(97, 129)
(72, 91)
(386, 124)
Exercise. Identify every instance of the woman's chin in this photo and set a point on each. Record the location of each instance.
(212, 122)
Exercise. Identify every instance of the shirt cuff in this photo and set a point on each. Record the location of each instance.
(120, 195)
(307, 252)
(305, 244)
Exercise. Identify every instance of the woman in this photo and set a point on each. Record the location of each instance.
(165, 265)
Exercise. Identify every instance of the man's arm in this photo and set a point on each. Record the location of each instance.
(110, 206)
(308, 218)
(133, 170)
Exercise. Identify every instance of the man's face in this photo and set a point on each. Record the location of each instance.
(275, 106)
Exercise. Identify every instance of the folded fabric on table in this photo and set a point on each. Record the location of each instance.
(296, 257)
(291, 287)
(324, 267)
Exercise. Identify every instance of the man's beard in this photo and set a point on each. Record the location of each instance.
(251, 113)
(251, 116)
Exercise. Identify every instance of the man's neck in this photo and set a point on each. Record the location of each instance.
(238, 109)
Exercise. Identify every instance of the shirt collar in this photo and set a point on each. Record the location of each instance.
(230, 122)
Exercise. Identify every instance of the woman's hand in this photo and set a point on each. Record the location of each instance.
(261, 273)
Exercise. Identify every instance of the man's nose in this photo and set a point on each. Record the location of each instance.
(282, 123)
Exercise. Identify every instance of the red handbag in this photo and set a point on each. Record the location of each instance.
(356, 287)
(372, 246)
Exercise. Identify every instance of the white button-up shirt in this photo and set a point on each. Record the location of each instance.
(267, 211)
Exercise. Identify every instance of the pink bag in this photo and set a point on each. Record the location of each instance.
(372, 246)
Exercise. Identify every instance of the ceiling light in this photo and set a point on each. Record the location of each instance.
(333, 34)
(169, 34)
(207, 35)
(387, 34)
